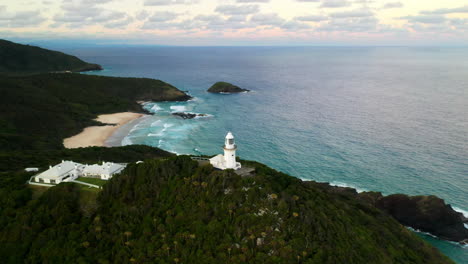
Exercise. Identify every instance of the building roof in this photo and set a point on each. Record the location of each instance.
(106, 168)
(59, 170)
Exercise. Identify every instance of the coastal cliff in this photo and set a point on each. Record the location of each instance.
(426, 213)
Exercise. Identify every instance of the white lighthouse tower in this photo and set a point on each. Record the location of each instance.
(228, 161)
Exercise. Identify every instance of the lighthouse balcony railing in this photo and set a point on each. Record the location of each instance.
(233, 147)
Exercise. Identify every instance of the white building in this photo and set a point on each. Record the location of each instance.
(63, 172)
(228, 160)
(105, 171)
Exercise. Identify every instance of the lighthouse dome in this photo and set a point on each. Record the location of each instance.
(229, 136)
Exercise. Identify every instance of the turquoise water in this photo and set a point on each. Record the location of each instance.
(375, 118)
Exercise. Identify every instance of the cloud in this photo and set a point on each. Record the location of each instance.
(119, 23)
(351, 21)
(335, 3)
(446, 11)
(425, 19)
(353, 13)
(237, 18)
(252, 1)
(163, 16)
(271, 19)
(142, 15)
(393, 5)
(295, 26)
(20, 19)
(237, 9)
(311, 18)
(163, 20)
(81, 13)
(169, 2)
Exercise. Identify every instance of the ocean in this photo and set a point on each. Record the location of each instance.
(388, 119)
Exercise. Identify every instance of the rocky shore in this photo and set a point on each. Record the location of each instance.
(188, 115)
(425, 213)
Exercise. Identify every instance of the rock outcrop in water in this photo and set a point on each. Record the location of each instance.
(224, 87)
(188, 115)
(426, 213)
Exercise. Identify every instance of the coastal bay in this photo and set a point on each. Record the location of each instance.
(96, 136)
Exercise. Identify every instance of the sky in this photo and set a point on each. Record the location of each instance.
(238, 22)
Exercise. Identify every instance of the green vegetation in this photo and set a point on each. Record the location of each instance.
(173, 211)
(18, 160)
(24, 59)
(95, 181)
(224, 87)
(167, 209)
(39, 111)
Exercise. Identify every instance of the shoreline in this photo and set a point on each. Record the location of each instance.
(96, 136)
(115, 140)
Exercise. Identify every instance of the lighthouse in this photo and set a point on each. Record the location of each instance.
(228, 160)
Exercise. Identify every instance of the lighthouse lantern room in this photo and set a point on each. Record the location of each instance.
(228, 161)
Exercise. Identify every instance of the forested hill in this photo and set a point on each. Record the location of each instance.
(25, 59)
(174, 211)
(39, 111)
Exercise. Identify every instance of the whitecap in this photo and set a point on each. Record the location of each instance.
(156, 108)
(178, 108)
(157, 122)
(202, 116)
(134, 128)
(167, 125)
(422, 232)
(464, 212)
(160, 143)
(342, 184)
(126, 141)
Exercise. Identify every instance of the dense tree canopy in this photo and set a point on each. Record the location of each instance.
(25, 59)
(39, 111)
(174, 211)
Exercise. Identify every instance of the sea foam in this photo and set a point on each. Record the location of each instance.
(464, 212)
(347, 185)
(156, 123)
(156, 108)
(178, 108)
(126, 141)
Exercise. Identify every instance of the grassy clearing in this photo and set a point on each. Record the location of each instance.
(94, 181)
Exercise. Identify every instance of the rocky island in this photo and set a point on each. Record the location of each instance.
(224, 87)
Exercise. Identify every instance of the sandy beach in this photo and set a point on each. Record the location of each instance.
(97, 135)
